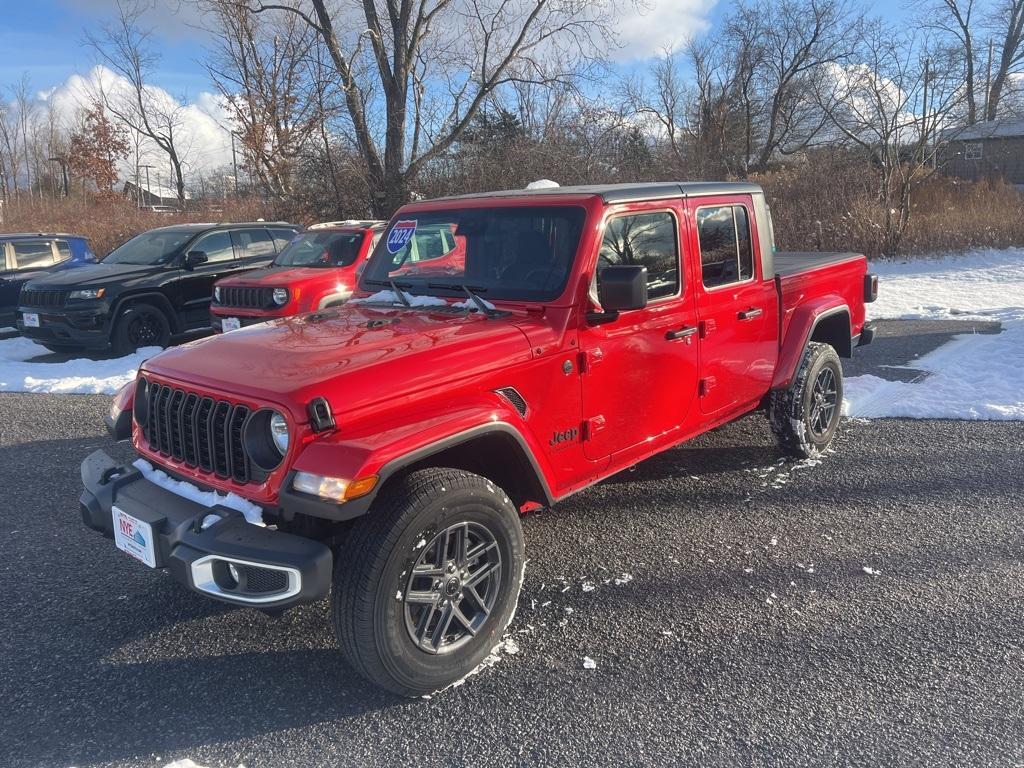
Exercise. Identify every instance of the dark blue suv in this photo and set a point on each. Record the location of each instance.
(26, 256)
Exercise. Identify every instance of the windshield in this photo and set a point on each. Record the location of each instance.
(517, 254)
(321, 249)
(156, 247)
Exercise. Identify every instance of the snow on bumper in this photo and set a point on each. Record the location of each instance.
(229, 559)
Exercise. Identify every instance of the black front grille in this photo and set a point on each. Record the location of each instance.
(246, 298)
(263, 580)
(199, 431)
(32, 297)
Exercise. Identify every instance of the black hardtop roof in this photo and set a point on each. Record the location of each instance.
(22, 235)
(626, 193)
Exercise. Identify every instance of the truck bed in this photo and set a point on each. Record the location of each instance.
(794, 262)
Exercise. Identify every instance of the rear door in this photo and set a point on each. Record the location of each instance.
(737, 305)
(640, 371)
(254, 247)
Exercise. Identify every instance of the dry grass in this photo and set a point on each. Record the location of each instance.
(108, 223)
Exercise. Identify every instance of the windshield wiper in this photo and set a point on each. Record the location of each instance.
(399, 293)
(470, 291)
(396, 288)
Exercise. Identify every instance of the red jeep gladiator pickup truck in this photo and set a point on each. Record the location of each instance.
(388, 446)
(317, 269)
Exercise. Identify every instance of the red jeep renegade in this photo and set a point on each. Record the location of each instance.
(317, 269)
(381, 452)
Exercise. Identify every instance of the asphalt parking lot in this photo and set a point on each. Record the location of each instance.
(741, 610)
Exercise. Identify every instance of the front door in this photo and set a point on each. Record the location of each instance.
(194, 287)
(737, 306)
(640, 371)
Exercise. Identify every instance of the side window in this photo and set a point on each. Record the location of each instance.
(281, 238)
(216, 246)
(63, 250)
(726, 255)
(32, 254)
(255, 243)
(647, 239)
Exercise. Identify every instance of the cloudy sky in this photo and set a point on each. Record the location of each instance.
(43, 39)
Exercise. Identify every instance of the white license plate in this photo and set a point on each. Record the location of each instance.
(230, 324)
(134, 537)
(31, 319)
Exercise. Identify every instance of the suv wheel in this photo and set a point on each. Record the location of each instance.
(805, 416)
(140, 325)
(427, 582)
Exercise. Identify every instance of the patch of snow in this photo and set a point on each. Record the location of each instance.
(392, 298)
(79, 376)
(252, 513)
(471, 305)
(872, 571)
(589, 586)
(623, 579)
(589, 663)
(542, 184)
(974, 376)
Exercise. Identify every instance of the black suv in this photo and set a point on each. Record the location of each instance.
(156, 285)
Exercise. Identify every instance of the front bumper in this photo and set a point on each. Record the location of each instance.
(86, 329)
(217, 323)
(279, 570)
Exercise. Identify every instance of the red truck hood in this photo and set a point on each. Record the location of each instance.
(274, 277)
(369, 355)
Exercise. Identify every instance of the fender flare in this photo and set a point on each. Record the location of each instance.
(807, 318)
(151, 297)
(293, 501)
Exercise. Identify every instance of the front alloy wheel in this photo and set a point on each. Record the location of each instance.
(427, 581)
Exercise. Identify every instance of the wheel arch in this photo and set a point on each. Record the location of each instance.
(159, 300)
(827, 323)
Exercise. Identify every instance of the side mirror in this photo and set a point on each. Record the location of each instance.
(195, 258)
(621, 287)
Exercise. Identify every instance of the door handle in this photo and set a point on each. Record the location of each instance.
(682, 333)
(751, 313)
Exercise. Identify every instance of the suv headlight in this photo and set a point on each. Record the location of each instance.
(88, 293)
(280, 296)
(216, 293)
(266, 438)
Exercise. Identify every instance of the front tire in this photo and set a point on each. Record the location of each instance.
(428, 580)
(140, 325)
(805, 416)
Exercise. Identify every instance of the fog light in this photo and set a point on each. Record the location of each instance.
(233, 570)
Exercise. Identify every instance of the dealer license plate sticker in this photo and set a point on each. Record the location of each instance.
(31, 319)
(134, 537)
(230, 324)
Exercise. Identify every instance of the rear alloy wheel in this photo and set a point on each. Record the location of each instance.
(428, 580)
(805, 416)
(140, 325)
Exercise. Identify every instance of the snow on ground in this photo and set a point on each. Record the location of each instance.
(74, 376)
(971, 377)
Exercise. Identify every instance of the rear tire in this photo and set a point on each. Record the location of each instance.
(402, 572)
(140, 325)
(805, 416)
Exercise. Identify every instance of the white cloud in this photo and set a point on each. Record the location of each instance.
(654, 25)
(204, 141)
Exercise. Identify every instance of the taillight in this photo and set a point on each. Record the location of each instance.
(870, 288)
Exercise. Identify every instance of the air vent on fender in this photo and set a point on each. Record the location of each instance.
(513, 396)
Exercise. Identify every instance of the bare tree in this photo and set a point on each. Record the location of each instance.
(430, 65)
(1007, 22)
(125, 46)
(890, 100)
(956, 20)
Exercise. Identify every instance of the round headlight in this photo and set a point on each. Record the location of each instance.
(140, 406)
(266, 437)
(280, 296)
(279, 432)
(216, 293)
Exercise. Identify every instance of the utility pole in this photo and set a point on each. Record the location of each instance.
(149, 191)
(988, 79)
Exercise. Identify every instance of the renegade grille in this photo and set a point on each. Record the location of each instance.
(249, 298)
(42, 298)
(199, 431)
